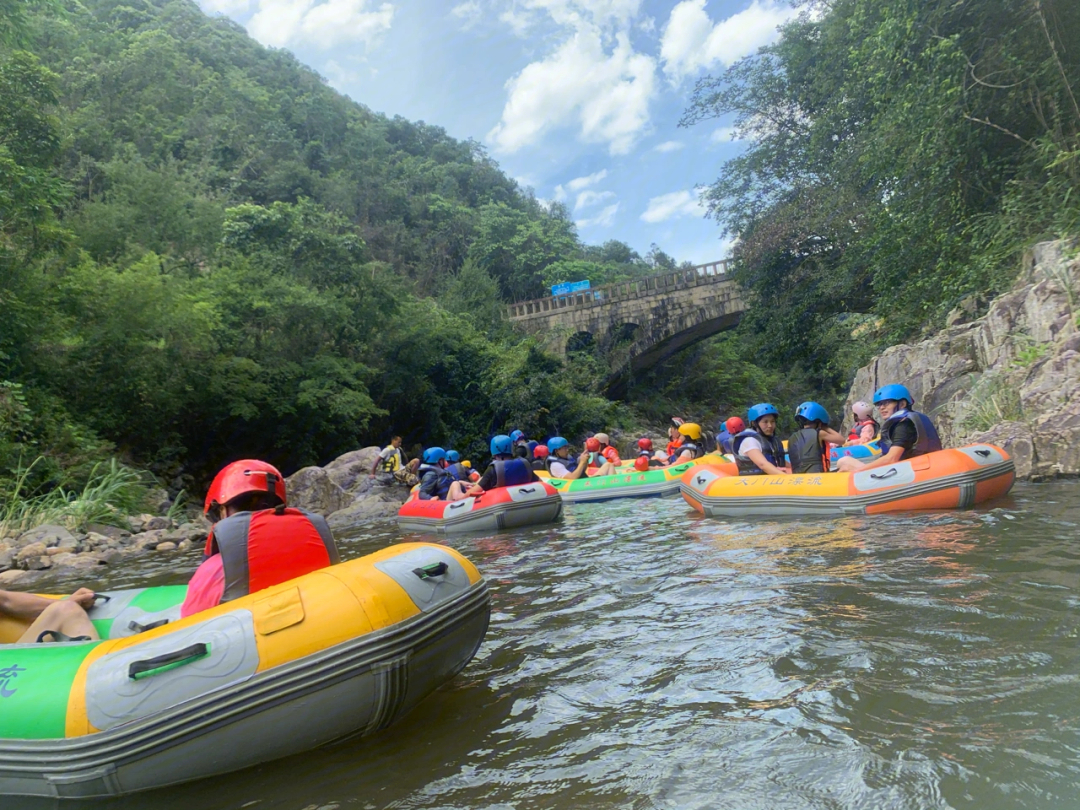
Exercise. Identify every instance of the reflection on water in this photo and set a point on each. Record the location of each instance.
(641, 656)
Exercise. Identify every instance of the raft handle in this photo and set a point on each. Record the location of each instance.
(983, 453)
(142, 628)
(883, 476)
(433, 570)
(163, 663)
(528, 489)
(458, 504)
(104, 597)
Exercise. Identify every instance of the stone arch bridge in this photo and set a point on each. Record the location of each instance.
(641, 322)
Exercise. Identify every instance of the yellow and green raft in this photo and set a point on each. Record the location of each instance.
(339, 652)
(662, 482)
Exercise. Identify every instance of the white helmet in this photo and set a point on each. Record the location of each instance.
(861, 410)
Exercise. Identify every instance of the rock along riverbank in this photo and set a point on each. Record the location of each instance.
(1010, 377)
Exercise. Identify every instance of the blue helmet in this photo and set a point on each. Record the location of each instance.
(502, 445)
(433, 455)
(760, 410)
(557, 443)
(516, 435)
(812, 412)
(453, 456)
(896, 392)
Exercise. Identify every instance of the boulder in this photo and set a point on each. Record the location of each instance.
(13, 577)
(187, 532)
(375, 502)
(313, 488)
(7, 557)
(156, 523)
(1010, 377)
(95, 541)
(47, 534)
(112, 532)
(30, 552)
(166, 546)
(87, 559)
(353, 469)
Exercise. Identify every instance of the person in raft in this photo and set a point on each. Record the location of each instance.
(646, 457)
(593, 450)
(51, 619)
(808, 447)
(540, 457)
(904, 433)
(256, 539)
(732, 428)
(521, 445)
(437, 483)
(691, 446)
(607, 450)
(559, 464)
(758, 450)
(505, 470)
(390, 458)
(865, 428)
(456, 467)
(675, 439)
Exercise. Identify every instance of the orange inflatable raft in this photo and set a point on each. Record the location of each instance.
(948, 479)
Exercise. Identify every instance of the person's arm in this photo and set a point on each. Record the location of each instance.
(758, 458)
(23, 605)
(867, 434)
(487, 481)
(579, 470)
(854, 465)
(830, 435)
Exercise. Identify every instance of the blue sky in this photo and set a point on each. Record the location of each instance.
(578, 99)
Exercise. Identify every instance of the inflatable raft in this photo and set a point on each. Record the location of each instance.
(863, 452)
(947, 479)
(663, 482)
(339, 652)
(502, 508)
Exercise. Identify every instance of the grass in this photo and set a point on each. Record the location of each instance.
(111, 493)
(991, 401)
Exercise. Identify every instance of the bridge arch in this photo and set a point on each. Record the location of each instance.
(657, 315)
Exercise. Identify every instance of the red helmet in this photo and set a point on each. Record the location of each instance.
(541, 451)
(241, 478)
(735, 425)
(645, 443)
(641, 463)
(592, 445)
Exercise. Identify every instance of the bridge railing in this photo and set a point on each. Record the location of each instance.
(622, 290)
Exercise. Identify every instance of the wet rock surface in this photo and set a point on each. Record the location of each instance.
(344, 492)
(1010, 378)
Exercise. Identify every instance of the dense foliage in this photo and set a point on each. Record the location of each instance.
(902, 155)
(207, 253)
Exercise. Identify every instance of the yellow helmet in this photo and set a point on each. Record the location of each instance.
(467, 463)
(691, 430)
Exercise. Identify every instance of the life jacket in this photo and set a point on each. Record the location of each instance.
(391, 463)
(806, 453)
(442, 485)
(723, 441)
(927, 440)
(540, 464)
(696, 451)
(570, 462)
(268, 547)
(771, 447)
(856, 429)
(672, 448)
(521, 450)
(511, 472)
(459, 471)
(611, 454)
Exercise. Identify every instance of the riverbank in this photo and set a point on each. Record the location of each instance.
(1010, 377)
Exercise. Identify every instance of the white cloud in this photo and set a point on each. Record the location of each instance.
(603, 219)
(589, 198)
(324, 25)
(691, 42)
(670, 206)
(669, 146)
(724, 135)
(228, 7)
(605, 95)
(578, 183)
(468, 12)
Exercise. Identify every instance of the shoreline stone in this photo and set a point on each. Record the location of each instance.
(1018, 365)
(344, 492)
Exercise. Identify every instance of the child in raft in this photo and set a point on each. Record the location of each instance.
(865, 428)
(647, 457)
(595, 450)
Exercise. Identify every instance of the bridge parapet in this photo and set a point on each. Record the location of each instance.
(658, 284)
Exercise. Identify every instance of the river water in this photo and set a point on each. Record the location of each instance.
(641, 656)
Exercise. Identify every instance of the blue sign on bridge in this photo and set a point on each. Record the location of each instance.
(570, 287)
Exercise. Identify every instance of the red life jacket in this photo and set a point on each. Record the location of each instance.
(611, 454)
(856, 429)
(260, 549)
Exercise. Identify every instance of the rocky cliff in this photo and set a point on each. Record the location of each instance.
(344, 492)
(1010, 377)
